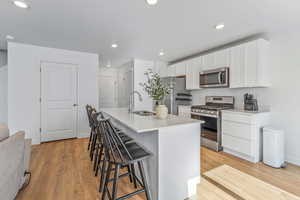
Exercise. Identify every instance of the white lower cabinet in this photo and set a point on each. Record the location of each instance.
(237, 144)
(241, 133)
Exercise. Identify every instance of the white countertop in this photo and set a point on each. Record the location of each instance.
(241, 110)
(146, 123)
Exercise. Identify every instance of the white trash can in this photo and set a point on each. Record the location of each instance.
(273, 147)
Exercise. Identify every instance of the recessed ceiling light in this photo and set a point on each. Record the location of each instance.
(219, 26)
(20, 4)
(151, 2)
(161, 53)
(114, 45)
(9, 37)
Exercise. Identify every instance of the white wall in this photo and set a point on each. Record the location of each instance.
(140, 67)
(283, 97)
(24, 85)
(3, 94)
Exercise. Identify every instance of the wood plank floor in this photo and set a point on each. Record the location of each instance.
(287, 179)
(209, 191)
(62, 171)
(245, 186)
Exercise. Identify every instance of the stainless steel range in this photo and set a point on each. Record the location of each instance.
(210, 113)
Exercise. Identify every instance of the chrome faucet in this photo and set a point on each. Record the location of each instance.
(131, 99)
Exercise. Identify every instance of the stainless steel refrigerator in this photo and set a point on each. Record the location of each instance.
(178, 95)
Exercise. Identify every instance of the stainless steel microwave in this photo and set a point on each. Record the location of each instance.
(215, 78)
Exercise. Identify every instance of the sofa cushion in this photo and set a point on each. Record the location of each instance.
(4, 132)
(11, 165)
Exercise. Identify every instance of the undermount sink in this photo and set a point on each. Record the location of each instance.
(143, 113)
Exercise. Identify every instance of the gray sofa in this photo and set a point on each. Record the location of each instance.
(14, 161)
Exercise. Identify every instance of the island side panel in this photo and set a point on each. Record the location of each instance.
(179, 161)
(149, 140)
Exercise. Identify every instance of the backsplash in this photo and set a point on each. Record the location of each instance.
(261, 94)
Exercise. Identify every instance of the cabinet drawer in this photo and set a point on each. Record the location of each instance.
(236, 144)
(235, 117)
(239, 130)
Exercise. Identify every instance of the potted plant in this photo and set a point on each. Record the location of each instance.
(157, 91)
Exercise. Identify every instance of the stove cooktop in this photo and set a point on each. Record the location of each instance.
(212, 107)
(216, 103)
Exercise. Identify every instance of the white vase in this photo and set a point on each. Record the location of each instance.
(161, 111)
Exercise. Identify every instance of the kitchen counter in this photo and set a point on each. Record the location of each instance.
(241, 110)
(173, 171)
(142, 124)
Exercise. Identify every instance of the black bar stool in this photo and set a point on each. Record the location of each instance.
(101, 158)
(99, 141)
(94, 142)
(92, 115)
(89, 111)
(118, 155)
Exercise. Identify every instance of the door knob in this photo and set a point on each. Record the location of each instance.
(75, 104)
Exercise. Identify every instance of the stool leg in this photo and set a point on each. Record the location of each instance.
(90, 140)
(93, 146)
(115, 182)
(102, 177)
(133, 175)
(96, 157)
(106, 182)
(130, 173)
(99, 160)
(144, 180)
(92, 143)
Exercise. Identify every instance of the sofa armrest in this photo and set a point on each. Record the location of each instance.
(27, 154)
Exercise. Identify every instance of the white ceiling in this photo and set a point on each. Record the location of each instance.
(179, 27)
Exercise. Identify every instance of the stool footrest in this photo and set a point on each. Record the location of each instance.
(126, 174)
(131, 194)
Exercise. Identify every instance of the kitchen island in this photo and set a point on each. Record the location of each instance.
(174, 169)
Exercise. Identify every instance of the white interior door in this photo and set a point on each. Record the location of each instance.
(108, 91)
(58, 101)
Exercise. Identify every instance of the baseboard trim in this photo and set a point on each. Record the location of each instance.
(83, 135)
(192, 186)
(240, 155)
(293, 160)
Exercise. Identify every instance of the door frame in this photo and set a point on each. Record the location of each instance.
(40, 95)
(116, 91)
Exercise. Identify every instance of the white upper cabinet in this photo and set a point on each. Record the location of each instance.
(216, 59)
(208, 61)
(180, 68)
(222, 58)
(162, 69)
(171, 69)
(189, 75)
(249, 65)
(193, 69)
(177, 69)
(237, 66)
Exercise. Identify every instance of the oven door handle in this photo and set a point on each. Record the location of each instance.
(203, 114)
(220, 77)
